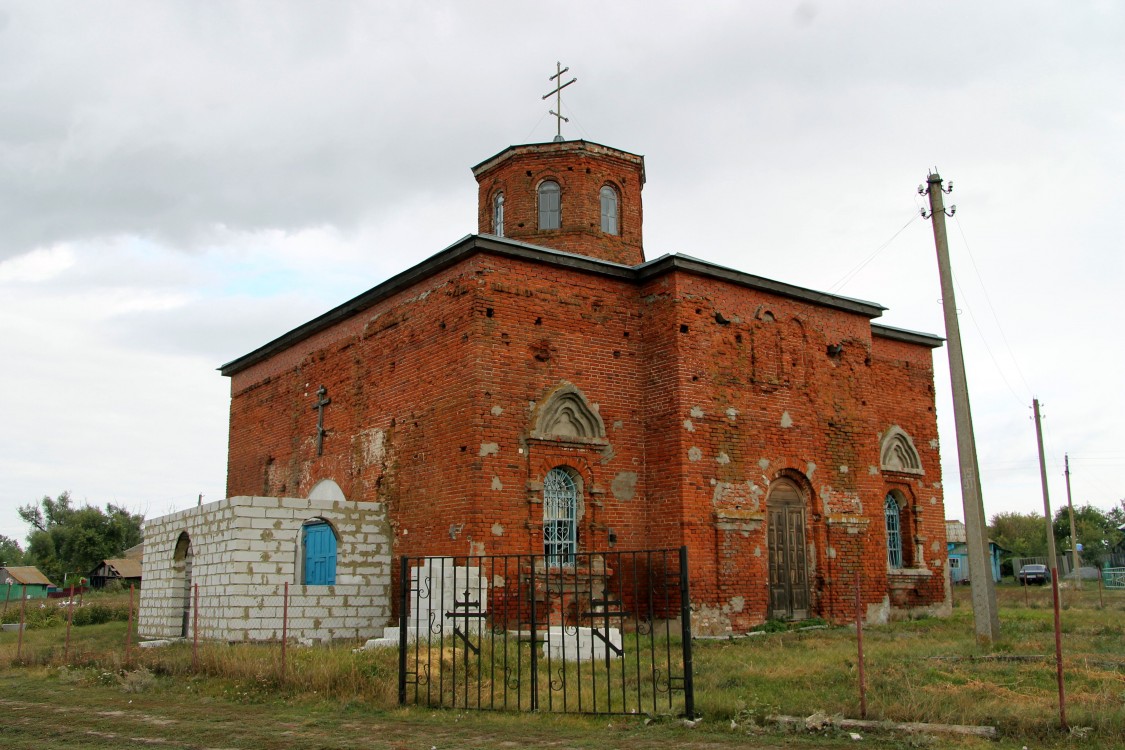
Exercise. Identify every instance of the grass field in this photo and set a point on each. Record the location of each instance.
(925, 670)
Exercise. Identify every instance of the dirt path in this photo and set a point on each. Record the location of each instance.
(41, 712)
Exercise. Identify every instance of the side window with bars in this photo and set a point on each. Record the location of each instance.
(560, 517)
(893, 516)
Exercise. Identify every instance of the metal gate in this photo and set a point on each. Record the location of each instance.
(608, 633)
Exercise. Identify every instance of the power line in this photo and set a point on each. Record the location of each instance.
(988, 299)
(874, 254)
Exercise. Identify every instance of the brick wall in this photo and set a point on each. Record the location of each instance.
(581, 169)
(709, 392)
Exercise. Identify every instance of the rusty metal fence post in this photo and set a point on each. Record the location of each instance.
(69, 620)
(195, 629)
(129, 629)
(284, 627)
(859, 643)
(23, 613)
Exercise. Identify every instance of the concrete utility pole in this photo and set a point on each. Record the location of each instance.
(1073, 533)
(985, 614)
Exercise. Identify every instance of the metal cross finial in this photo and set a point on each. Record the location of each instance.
(321, 402)
(559, 86)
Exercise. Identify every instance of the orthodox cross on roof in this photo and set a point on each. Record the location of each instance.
(559, 86)
(321, 402)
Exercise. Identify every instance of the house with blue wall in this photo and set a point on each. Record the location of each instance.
(959, 553)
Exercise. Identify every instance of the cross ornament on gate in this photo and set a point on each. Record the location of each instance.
(559, 86)
(321, 401)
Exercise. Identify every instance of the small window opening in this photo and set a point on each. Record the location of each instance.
(549, 205)
(610, 223)
(498, 215)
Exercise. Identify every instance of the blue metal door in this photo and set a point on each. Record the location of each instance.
(320, 555)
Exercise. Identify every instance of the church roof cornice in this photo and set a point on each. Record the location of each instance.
(559, 147)
(472, 244)
(680, 262)
(909, 337)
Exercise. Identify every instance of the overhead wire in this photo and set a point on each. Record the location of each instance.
(847, 277)
(991, 307)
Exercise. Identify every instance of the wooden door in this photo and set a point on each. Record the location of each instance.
(788, 569)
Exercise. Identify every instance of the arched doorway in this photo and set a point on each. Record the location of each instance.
(181, 565)
(788, 566)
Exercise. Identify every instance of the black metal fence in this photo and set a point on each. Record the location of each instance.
(609, 633)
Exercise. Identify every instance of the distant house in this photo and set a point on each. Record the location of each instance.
(16, 582)
(127, 570)
(959, 553)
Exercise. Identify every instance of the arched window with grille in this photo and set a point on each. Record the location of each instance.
(609, 211)
(560, 517)
(550, 209)
(498, 215)
(893, 515)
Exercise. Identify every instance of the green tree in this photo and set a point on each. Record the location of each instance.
(1097, 532)
(1023, 534)
(10, 551)
(69, 539)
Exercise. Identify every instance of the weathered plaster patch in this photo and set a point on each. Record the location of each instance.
(497, 484)
(489, 449)
(722, 458)
(934, 443)
(933, 501)
(618, 424)
(497, 530)
(737, 603)
(764, 463)
(879, 613)
(757, 551)
(696, 412)
(694, 454)
(844, 469)
(872, 470)
(732, 414)
(810, 468)
(373, 445)
(935, 546)
(743, 495)
(689, 426)
(786, 420)
(497, 411)
(831, 553)
(624, 485)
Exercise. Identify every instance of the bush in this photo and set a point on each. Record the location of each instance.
(96, 614)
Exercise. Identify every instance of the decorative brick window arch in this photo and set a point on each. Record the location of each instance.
(567, 415)
(898, 453)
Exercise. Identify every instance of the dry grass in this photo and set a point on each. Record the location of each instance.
(926, 670)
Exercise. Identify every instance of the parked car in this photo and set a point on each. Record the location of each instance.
(1034, 573)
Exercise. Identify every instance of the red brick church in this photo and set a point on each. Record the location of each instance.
(542, 387)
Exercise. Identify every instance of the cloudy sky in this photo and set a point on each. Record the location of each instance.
(181, 182)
